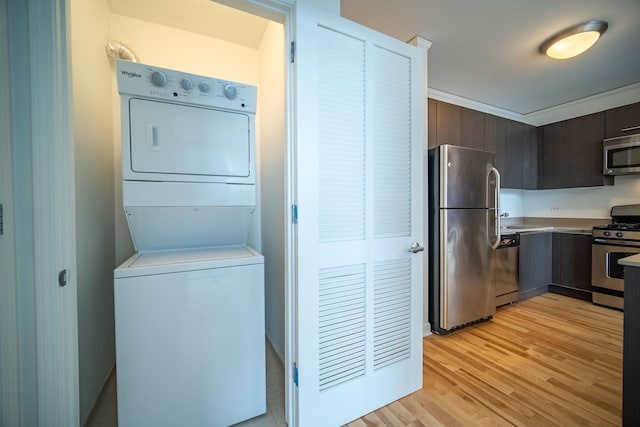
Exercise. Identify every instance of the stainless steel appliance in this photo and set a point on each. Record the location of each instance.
(621, 155)
(618, 239)
(506, 272)
(464, 231)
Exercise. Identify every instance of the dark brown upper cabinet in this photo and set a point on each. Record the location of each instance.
(515, 145)
(495, 136)
(521, 156)
(472, 129)
(622, 121)
(565, 154)
(455, 125)
(571, 153)
(432, 112)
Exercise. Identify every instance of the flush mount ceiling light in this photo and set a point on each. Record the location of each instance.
(573, 41)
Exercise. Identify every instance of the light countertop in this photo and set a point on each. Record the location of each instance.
(631, 261)
(558, 225)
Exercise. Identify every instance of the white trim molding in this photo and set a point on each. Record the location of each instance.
(43, 190)
(283, 11)
(591, 104)
(9, 344)
(54, 214)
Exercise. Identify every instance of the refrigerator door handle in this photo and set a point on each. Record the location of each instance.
(495, 244)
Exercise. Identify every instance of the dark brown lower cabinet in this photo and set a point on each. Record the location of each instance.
(571, 265)
(535, 264)
(631, 348)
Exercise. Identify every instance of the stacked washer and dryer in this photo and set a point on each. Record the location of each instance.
(189, 305)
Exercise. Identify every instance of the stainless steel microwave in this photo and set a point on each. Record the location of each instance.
(621, 155)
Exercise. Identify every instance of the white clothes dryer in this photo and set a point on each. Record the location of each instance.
(189, 305)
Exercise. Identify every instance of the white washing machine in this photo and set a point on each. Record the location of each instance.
(189, 305)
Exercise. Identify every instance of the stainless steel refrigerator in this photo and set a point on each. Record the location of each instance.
(464, 230)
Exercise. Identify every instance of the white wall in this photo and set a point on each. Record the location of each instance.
(271, 115)
(182, 50)
(95, 231)
(588, 202)
(512, 202)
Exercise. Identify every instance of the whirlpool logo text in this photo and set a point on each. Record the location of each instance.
(131, 74)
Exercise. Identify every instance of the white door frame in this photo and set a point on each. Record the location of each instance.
(9, 362)
(283, 11)
(44, 208)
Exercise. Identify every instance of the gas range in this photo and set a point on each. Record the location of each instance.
(625, 225)
(617, 231)
(612, 242)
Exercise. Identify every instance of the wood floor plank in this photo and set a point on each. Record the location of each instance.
(548, 361)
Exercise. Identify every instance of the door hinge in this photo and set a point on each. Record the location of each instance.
(1, 221)
(292, 52)
(294, 214)
(295, 374)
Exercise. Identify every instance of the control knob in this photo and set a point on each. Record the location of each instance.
(158, 79)
(607, 233)
(230, 91)
(619, 234)
(186, 84)
(204, 87)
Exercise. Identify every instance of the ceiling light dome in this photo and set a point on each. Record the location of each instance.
(573, 41)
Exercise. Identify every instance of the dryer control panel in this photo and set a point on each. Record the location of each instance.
(161, 83)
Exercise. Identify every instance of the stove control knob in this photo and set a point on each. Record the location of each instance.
(619, 234)
(607, 233)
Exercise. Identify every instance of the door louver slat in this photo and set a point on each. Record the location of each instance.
(342, 323)
(391, 312)
(392, 159)
(341, 138)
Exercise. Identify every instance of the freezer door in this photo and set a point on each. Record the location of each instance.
(466, 180)
(466, 258)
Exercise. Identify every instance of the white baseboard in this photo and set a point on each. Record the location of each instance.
(426, 329)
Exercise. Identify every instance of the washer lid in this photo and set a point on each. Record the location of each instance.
(175, 261)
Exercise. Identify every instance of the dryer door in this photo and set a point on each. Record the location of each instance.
(177, 142)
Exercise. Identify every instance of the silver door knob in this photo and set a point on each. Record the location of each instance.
(415, 248)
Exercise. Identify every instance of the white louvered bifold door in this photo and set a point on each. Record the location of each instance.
(359, 191)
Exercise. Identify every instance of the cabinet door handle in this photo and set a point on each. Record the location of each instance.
(630, 128)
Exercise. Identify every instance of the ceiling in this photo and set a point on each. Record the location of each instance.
(483, 51)
(487, 51)
(197, 16)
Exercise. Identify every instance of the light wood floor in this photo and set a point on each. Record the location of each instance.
(548, 361)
